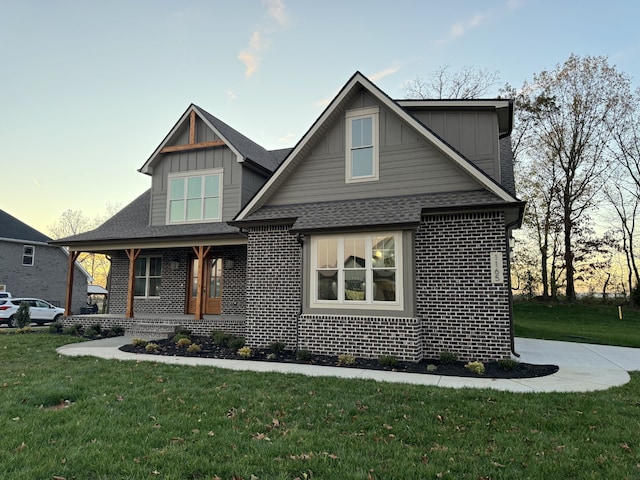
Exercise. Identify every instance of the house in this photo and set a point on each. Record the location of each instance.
(30, 267)
(384, 231)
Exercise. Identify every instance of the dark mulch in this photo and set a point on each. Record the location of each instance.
(457, 369)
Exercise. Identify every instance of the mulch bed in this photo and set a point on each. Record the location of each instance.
(457, 369)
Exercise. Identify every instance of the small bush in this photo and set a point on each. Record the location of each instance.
(90, 333)
(346, 359)
(56, 327)
(139, 342)
(431, 368)
(245, 352)
(182, 334)
(151, 347)
(447, 358)
(72, 330)
(25, 329)
(303, 355)
(508, 364)
(271, 356)
(387, 361)
(277, 347)
(96, 327)
(235, 343)
(22, 316)
(117, 330)
(194, 348)
(475, 367)
(221, 338)
(183, 342)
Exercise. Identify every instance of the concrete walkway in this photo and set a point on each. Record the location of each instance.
(583, 367)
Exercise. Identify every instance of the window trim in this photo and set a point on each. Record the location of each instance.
(25, 255)
(340, 303)
(350, 116)
(194, 174)
(147, 277)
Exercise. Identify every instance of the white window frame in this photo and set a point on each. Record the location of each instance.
(370, 303)
(31, 255)
(186, 175)
(350, 116)
(147, 276)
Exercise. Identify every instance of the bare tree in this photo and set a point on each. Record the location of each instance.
(469, 82)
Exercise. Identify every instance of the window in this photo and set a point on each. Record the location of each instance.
(356, 271)
(362, 145)
(148, 272)
(195, 198)
(28, 253)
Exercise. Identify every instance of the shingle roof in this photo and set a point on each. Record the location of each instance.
(12, 228)
(506, 166)
(357, 214)
(132, 223)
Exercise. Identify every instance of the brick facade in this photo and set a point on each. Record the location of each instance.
(462, 311)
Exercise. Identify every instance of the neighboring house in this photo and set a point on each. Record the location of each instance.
(384, 231)
(30, 267)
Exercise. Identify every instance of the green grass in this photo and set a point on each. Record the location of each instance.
(127, 420)
(578, 323)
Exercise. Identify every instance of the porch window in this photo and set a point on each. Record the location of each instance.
(362, 145)
(195, 198)
(148, 271)
(357, 271)
(28, 255)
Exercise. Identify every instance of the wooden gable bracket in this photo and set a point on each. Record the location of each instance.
(192, 145)
(133, 255)
(201, 252)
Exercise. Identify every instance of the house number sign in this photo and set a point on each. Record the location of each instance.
(497, 275)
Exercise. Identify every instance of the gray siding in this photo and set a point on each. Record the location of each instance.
(192, 161)
(408, 165)
(251, 183)
(474, 134)
(46, 279)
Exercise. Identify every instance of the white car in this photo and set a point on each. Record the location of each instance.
(5, 294)
(39, 310)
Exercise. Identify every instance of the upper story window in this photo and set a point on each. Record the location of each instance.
(28, 254)
(362, 145)
(148, 272)
(357, 271)
(195, 198)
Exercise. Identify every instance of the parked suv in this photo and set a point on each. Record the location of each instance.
(5, 294)
(39, 310)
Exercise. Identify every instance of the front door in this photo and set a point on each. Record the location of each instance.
(213, 286)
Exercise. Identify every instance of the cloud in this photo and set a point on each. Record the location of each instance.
(383, 73)
(287, 139)
(459, 29)
(257, 41)
(231, 95)
(322, 103)
(250, 62)
(514, 4)
(277, 11)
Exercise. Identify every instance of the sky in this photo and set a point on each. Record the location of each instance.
(89, 89)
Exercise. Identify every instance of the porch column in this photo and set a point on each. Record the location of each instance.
(201, 252)
(133, 254)
(73, 256)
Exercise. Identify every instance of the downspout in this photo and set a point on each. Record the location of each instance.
(508, 254)
(300, 240)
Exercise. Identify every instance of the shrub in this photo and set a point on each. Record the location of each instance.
(56, 327)
(245, 352)
(183, 342)
(25, 329)
(277, 347)
(431, 368)
(90, 333)
(303, 355)
(96, 327)
(221, 338)
(139, 342)
(22, 316)
(151, 347)
(182, 334)
(194, 348)
(387, 360)
(235, 343)
(475, 367)
(346, 359)
(271, 356)
(117, 330)
(508, 364)
(73, 330)
(447, 358)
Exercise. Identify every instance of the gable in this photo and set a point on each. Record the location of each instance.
(13, 229)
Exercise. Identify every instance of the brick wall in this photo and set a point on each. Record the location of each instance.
(273, 286)
(462, 311)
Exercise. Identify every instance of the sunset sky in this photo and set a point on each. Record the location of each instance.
(90, 89)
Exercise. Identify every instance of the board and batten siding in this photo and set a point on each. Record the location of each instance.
(408, 165)
(194, 161)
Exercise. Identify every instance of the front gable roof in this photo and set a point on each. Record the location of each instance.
(334, 110)
(245, 149)
(13, 229)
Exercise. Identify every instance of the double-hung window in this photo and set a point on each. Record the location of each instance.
(148, 272)
(28, 255)
(195, 198)
(357, 271)
(362, 145)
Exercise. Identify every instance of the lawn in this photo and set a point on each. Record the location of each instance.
(578, 323)
(86, 418)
